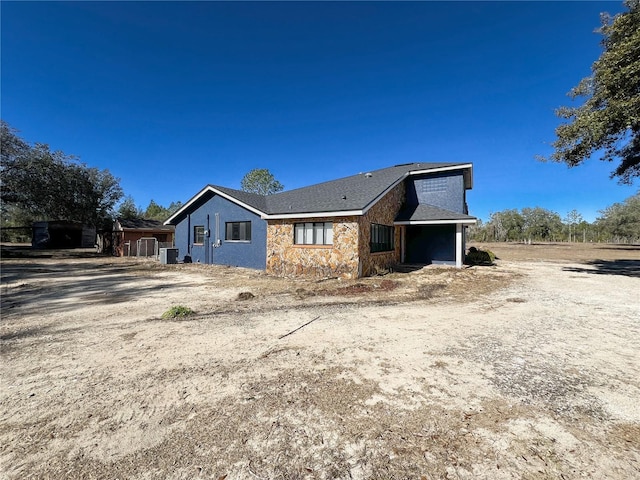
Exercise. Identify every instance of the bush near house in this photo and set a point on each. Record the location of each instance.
(479, 257)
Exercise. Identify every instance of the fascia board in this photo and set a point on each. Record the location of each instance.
(286, 216)
(470, 221)
(190, 202)
(470, 177)
(461, 166)
(206, 189)
(158, 229)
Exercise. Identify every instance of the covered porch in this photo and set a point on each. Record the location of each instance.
(432, 235)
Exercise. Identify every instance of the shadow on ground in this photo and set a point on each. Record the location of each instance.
(53, 286)
(629, 268)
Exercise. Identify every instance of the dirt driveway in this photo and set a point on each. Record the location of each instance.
(528, 369)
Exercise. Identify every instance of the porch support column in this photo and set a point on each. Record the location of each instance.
(403, 239)
(459, 246)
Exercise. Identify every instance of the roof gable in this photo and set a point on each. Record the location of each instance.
(250, 201)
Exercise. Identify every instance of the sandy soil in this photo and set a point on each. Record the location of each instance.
(528, 369)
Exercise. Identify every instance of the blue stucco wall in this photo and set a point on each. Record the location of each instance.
(431, 244)
(251, 254)
(444, 190)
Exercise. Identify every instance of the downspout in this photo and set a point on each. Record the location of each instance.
(189, 234)
(207, 237)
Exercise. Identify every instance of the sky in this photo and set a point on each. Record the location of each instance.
(172, 96)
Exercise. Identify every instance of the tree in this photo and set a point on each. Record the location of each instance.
(156, 211)
(608, 122)
(261, 181)
(541, 224)
(621, 221)
(572, 220)
(128, 210)
(48, 185)
(507, 225)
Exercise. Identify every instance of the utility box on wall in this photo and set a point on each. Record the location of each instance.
(168, 256)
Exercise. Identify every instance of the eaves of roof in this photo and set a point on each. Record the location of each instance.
(425, 214)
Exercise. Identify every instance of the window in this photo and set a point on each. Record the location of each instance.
(316, 233)
(198, 234)
(381, 238)
(238, 231)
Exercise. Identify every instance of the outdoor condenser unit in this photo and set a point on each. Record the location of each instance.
(168, 255)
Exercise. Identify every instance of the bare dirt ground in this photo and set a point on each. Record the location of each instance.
(528, 369)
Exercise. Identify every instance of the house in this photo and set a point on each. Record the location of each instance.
(350, 227)
(140, 237)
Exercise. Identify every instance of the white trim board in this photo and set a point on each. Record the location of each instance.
(287, 216)
(437, 222)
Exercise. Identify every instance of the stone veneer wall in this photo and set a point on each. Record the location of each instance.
(348, 257)
(384, 213)
(339, 259)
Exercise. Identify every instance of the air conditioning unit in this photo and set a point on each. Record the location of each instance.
(168, 256)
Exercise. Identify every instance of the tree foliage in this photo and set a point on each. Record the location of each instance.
(46, 185)
(261, 181)
(619, 223)
(156, 211)
(541, 224)
(507, 225)
(622, 220)
(573, 220)
(608, 122)
(128, 210)
(531, 224)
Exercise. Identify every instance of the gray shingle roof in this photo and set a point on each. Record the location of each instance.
(259, 202)
(429, 213)
(353, 193)
(142, 224)
(344, 194)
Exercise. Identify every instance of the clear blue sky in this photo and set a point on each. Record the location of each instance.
(171, 96)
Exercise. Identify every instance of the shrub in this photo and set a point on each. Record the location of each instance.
(177, 311)
(479, 257)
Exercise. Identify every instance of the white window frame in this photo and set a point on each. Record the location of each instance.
(313, 233)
